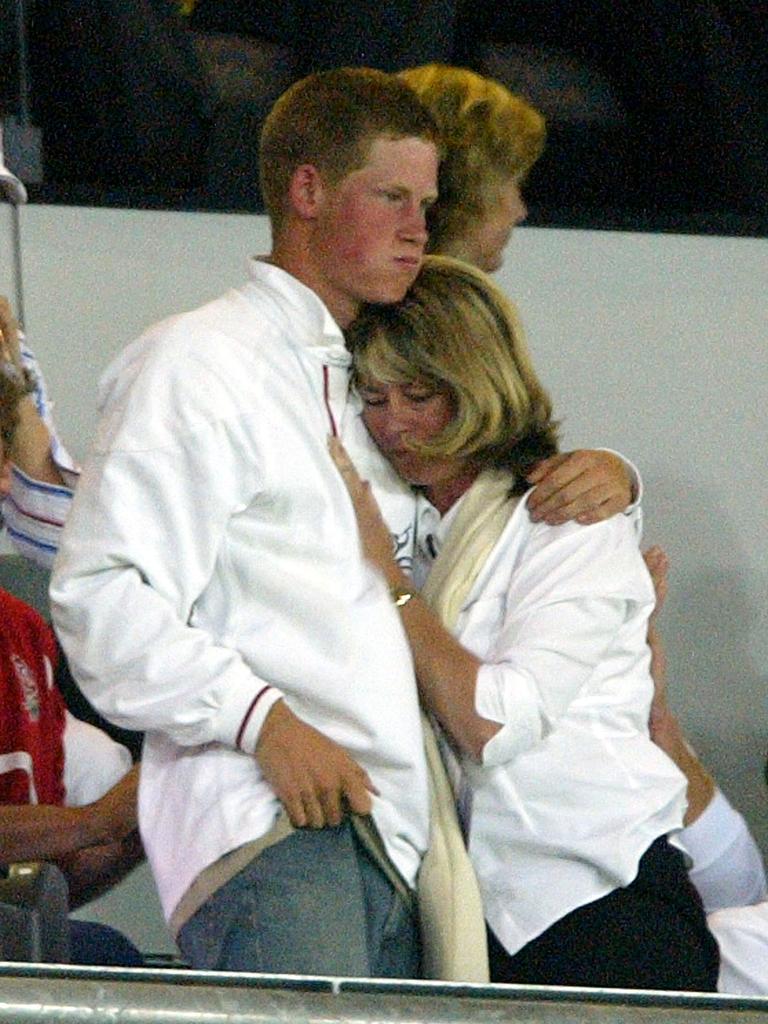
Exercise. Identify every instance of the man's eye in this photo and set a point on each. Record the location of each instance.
(369, 399)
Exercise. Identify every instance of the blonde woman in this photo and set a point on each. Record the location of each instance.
(491, 139)
(529, 646)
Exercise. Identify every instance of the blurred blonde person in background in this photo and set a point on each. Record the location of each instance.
(491, 140)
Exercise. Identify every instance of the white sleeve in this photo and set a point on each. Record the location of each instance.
(93, 762)
(140, 547)
(742, 936)
(727, 869)
(579, 598)
(636, 508)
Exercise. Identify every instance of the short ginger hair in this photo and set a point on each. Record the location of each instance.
(330, 119)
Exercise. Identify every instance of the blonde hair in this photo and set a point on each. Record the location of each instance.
(457, 333)
(489, 136)
(330, 119)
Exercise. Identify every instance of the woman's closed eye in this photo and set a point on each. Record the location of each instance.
(371, 397)
(419, 394)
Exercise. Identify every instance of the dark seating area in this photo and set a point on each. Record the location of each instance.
(654, 111)
(33, 913)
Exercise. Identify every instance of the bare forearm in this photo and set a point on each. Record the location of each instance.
(51, 833)
(666, 732)
(446, 674)
(31, 449)
(94, 870)
(46, 833)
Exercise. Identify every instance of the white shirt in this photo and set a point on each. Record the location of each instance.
(742, 935)
(93, 762)
(209, 565)
(727, 868)
(572, 791)
(34, 511)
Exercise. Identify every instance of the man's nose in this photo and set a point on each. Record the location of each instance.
(414, 225)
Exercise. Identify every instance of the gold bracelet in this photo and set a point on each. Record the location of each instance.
(400, 595)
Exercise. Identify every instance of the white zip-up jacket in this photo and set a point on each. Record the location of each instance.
(211, 564)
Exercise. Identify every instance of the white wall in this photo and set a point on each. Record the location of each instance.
(653, 344)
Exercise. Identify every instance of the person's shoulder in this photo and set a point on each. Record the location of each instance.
(21, 622)
(187, 359)
(617, 529)
(12, 607)
(605, 555)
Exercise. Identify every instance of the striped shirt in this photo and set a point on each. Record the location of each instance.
(34, 512)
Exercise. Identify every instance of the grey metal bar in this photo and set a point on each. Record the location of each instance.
(18, 269)
(12, 188)
(108, 996)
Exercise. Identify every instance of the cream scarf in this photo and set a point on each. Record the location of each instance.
(454, 946)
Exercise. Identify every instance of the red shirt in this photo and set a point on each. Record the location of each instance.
(32, 710)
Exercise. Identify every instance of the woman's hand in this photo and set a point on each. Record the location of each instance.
(375, 537)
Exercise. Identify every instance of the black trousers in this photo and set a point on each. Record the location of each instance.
(652, 934)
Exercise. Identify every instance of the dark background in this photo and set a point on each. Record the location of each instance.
(657, 110)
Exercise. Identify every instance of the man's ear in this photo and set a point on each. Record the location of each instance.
(306, 191)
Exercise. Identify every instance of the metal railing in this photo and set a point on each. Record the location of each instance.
(56, 994)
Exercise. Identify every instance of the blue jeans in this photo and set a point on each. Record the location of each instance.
(313, 903)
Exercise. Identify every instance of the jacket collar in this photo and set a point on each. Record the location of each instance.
(312, 326)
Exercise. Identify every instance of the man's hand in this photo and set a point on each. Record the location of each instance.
(314, 778)
(584, 485)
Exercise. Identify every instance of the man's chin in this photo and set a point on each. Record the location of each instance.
(395, 292)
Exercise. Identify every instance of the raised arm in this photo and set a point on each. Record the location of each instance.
(727, 866)
(44, 474)
(31, 448)
(446, 671)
